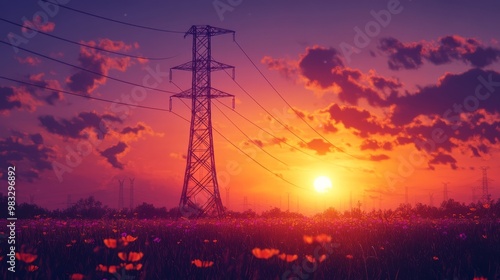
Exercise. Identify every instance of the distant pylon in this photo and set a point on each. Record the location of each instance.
(120, 194)
(445, 191)
(486, 195)
(200, 191)
(131, 193)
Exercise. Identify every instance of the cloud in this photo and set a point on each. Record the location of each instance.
(53, 96)
(380, 157)
(133, 130)
(361, 120)
(316, 65)
(30, 60)
(369, 144)
(318, 145)
(112, 152)
(267, 142)
(96, 61)
(16, 98)
(28, 153)
(441, 158)
(38, 24)
(453, 94)
(7, 100)
(322, 69)
(446, 50)
(285, 67)
(74, 127)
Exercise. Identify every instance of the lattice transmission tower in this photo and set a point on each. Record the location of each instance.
(486, 194)
(200, 191)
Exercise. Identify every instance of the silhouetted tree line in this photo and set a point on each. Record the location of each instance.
(90, 208)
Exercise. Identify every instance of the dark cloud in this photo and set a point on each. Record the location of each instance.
(323, 69)
(7, 99)
(442, 158)
(52, 97)
(74, 127)
(27, 153)
(448, 49)
(93, 60)
(317, 64)
(453, 93)
(133, 130)
(359, 119)
(406, 56)
(112, 152)
(318, 145)
(369, 144)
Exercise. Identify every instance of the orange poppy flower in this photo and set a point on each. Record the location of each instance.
(310, 259)
(322, 258)
(131, 266)
(435, 258)
(26, 257)
(323, 238)
(77, 276)
(200, 263)
(264, 253)
(111, 269)
(308, 239)
(110, 243)
(131, 257)
(129, 238)
(288, 258)
(349, 257)
(31, 268)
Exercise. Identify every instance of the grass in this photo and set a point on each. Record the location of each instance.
(366, 248)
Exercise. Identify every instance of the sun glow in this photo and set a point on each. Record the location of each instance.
(322, 184)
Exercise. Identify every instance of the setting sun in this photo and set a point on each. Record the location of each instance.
(322, 184)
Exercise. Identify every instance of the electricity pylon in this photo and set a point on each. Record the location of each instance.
(200, 191)
(120, 194)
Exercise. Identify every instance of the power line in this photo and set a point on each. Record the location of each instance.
(116, 21)
(83, 96)
(250, 157)
(157, 109)
(248, 137)
(289, 105)
(284, 142)
(85, 45)
(265, 110)
(240, 130)
(87, 70)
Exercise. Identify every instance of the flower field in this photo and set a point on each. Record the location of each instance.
(308, 248)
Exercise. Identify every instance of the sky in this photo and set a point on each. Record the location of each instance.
(379, 96)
